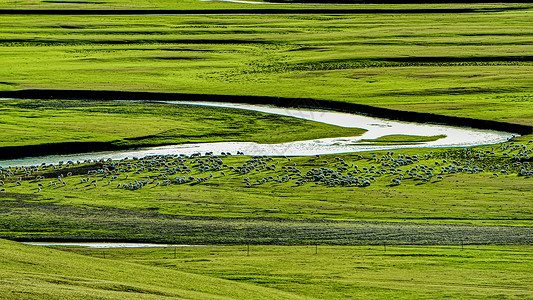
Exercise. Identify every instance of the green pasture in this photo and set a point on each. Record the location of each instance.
(130, 124)
(30, 272)
(467, 65)
(351, 272)
(463, 198)
(115, 4)
(227, 203)
(463, 235)
(199, 5)
(266, 272)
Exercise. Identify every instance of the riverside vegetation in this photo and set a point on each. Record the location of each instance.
(135, 124)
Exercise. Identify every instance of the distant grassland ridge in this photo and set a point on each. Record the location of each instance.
(393, 62)
(470, 65)
(230, 11)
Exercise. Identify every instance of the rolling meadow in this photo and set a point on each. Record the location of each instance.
(426, 223)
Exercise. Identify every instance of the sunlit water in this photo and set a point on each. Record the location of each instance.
(455, 137)
(110, 245)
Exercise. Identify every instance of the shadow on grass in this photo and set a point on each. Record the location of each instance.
(26, 219)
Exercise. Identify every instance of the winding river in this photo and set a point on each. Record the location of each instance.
(455, 137)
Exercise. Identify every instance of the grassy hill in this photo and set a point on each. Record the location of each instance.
(33, 272)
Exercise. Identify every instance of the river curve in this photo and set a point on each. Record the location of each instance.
(376, 127)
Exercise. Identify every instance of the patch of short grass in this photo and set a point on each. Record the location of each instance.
(130, 124)
(33, 272)
(354, 272)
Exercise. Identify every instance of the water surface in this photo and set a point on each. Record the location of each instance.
(110, 245)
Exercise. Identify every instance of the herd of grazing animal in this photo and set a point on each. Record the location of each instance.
(362, 170)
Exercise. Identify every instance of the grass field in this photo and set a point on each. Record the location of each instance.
(266, 272)
(329, 227)
(468, 65)
(353, 272)
(40, 273)
(454, 192)
(122, 124)
(199, 5)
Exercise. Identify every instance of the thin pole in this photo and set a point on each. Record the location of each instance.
(248, 254)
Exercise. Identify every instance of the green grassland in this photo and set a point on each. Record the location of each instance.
(266, 272)
(116, 4)
(352, 272)
(225, 209)
(199, 5)
(467, 65)
(30, 272)
(373, 239)
(159, 4)
(132, 124)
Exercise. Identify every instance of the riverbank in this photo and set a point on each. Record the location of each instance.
(92, 126)
(354, 108)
